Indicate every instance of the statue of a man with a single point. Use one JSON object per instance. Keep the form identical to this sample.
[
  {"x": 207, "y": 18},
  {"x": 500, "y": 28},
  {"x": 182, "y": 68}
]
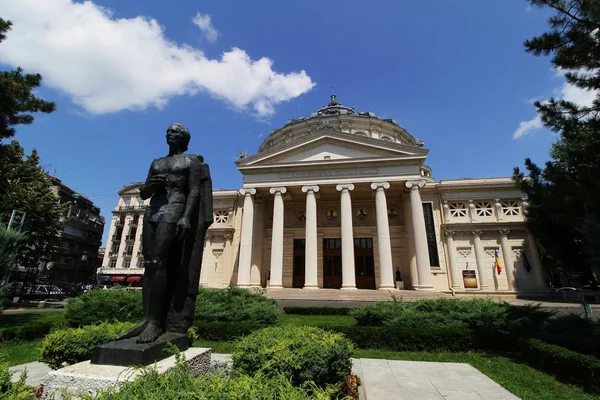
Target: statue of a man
[{"x": 175, "y": 225}]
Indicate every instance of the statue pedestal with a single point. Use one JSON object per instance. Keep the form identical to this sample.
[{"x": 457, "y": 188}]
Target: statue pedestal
[
  {"x": 127, "y": 352},
  {"x": 88, "y": 378}
]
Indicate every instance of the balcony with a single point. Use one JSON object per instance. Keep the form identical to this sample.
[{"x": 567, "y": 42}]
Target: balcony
[
  {"x": 118, "y": 223},
  {"x": 133, "y": 223},
  {"x": 116, "y": 238},
  {"x": 140, "y": 254},
  {"x": 127, "y": 254},
  {"x": 113, "y": 253},
  {"x": 130, "y": 238}
]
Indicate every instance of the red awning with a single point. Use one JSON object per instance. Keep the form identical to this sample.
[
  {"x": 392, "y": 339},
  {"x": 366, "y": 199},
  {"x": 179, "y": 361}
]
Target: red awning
[
  {"x": 117, "y": 278},
  {"x": 134, "y": 278}
]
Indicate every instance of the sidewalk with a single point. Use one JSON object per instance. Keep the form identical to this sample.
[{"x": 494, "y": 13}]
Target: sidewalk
[{"x": 384, "y": 379}]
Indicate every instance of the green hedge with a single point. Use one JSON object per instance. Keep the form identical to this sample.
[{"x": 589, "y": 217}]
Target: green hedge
[
  {"x": 568, "y": 366},
  {"x": 225, "y": 331},
  {"x": 301, "y": 353},
  {"x": 318, "y": 310},
  {"x": 212, "y": 305},
  {"x": 28, "y": 331},
  {"x": 73, "y": 345}
]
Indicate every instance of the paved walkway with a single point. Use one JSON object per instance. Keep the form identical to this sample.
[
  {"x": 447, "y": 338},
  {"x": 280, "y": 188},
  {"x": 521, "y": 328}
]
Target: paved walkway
[
  {"x": 404, "y": 380},
  {"x": 384, "y": 379}
]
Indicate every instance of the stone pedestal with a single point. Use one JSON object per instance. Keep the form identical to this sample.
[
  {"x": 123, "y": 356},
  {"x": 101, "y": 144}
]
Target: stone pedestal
[
  {"x": 88, "y": 378},
  {"x": 127, "y": 352}
]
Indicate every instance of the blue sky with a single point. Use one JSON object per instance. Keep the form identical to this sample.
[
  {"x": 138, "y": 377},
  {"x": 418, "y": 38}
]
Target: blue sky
[{"x": 454, "y": 73}]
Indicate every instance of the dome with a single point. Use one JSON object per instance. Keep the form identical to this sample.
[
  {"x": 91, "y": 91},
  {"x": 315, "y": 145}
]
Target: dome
[{"x": 341, "y": 118}]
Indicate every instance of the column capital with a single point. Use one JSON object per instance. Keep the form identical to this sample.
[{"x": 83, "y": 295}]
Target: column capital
[
  {"x": 247, "y": 192},
  {"x": 415, "y": 185},
  {"x": 477, "y": 233},
  {"x": 504, "y": 232},
  {"x": 449, "y": 233},
  {"x": 380, "y": 185},
  {"x": 310, "y": 188},
  {"x": 349, "y": 187},
  {"x": 277, "y": 190}
]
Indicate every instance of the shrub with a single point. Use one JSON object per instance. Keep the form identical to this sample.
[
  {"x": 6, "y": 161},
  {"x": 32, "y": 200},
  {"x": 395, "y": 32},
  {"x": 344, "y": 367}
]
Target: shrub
[
  {"x": 235, "y": 305},
  {"x": 104, "y": 306},
  {"x": 568, "y": 366},
  {"x": 28, "y": 331},
  {"x": 73, "y": 345},
  {"x": 225, "y": 331},
  {"x": 212, "y": 305},
  {"x": 14, "y": 390},
  {"x": 318, "y": 310},
  {"x": 478, "y": 314},
  {"x": 178, "y": 383},
  {"x": 562, "y": 330},
  {"x": 301, "y": 353}
]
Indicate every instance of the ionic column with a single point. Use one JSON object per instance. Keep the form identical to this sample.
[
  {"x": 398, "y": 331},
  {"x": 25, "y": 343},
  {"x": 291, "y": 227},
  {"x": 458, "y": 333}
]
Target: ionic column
[
  {"x": 455, "y": 274},
  {"x": 277, "y": 238},
  {"x": 508, "y": 262},
  {"x": 245, "y": 262},
  {"x": 420, "y": 235},
  {"x": 348, "y": 274},
  {"x": 479, "y": 258},
  {"x": 310, "y": 257},
  {"x": 386, "y": 270}
]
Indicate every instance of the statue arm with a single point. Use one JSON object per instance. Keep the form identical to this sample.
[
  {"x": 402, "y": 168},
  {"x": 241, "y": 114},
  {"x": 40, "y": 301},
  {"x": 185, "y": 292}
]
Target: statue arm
[
  {"x": 206, "y": 197},
  {"x": 194, "y": 184},
  {"x": 149, "y": 187}
]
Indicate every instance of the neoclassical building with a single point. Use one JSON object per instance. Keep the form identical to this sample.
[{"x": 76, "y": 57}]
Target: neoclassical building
[{"x": 344, "y": 200}]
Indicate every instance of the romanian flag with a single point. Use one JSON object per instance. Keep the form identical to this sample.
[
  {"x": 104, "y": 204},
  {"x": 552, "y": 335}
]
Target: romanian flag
[{"x": 497, "y": 262}]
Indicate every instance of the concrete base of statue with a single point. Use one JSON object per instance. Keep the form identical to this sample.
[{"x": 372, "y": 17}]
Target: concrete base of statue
[{"x": 88, "y": 378}]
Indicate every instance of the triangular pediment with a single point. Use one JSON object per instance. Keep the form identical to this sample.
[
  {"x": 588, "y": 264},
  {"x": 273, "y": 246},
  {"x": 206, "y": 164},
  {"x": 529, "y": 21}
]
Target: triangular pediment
[{"x": 333, "y": 147}]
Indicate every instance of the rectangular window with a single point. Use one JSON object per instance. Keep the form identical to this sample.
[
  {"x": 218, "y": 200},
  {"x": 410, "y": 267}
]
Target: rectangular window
[
  {"x": 126, "y": 263},
  {"x": 511, "y": 208},
  {"x": 113, "y": 264},
  {"x": 434, "y": 259},
  {"x": 129, "y": 249},
  {"x": 457, "y": 210},
  {"x": 483, "y": 209}
]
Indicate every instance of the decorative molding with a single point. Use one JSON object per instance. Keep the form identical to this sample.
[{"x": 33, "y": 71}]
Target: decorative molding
[
  {"x": 498, "y": 207},
  {"x": 464, "y": 251},
  {"x": 476, "y": 233},
  {"x": 310, "y": 188},
  {"x": 446, "y": 210},
  {"x": 415, "y": 185},
  {"x": 504, "y": 232},
  {"x": 472, "y": 211},
  {"x": 450, "y": 234},
  {"x": 491, "y": 251},
  {"x": 247, "y": 191},
  {"x": 349, "y": 187},
  {"x": 217, "y": 252},
  {"x": 380, "y": 185},
  {"x": 278, "y": 191}
]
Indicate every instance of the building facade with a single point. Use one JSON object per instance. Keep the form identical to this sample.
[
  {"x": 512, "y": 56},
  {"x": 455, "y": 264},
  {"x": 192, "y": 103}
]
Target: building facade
[
  {"x": 73, "y": 259},
  {"x": 344, "y": 200}
]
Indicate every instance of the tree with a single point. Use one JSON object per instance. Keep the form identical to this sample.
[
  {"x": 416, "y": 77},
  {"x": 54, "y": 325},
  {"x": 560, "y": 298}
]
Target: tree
[
  {"x": 564, "y": 196},
  {"x": 29, "y": 189},
  {"x": 16, "y": 99},
  {"x": 10, "y": 244}
]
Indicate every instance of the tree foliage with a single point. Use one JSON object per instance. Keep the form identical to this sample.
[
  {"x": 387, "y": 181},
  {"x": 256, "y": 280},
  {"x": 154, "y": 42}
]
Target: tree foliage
[
  {"x": 27, "y": 188},
  {"x": 11, "y": 243},
  {"x": 564, "y": 195},
  {"x": 16, "y": 99}
]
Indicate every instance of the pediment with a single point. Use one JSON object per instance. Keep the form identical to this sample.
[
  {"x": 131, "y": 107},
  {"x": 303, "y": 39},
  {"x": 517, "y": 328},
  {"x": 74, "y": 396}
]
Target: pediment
[{"x": 334, "y": 147}]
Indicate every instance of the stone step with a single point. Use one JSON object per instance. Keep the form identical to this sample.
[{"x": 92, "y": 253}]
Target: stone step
[{"x": 351, "y": 295}]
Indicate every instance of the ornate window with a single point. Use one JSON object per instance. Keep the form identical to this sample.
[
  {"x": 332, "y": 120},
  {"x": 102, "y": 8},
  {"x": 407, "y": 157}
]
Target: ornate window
[
  {"x": 484, "y": 209},
  {"x": 511, "y": 207},
  {"x": 457, "y": 209},
  {"x": 221, "y": 216}
]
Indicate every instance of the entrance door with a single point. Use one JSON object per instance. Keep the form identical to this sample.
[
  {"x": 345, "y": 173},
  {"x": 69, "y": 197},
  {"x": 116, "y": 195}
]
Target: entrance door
[
  {"x": 364, "y": 264},
  {"x": 332, "y": 263},
  {"x": 298, "y": 277}
]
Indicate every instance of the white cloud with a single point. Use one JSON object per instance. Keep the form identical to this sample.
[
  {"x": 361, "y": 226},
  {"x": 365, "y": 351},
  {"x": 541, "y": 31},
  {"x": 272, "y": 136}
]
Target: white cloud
[
  {"x": 566, "y": 92},
  {"x": 204, "y": 22},
  {"x": 107, "y": 64},
  {"x": 527, "y": 127}
]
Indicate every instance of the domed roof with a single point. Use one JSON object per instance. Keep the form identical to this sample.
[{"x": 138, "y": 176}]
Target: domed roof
[{"x": 333, "y": 108}]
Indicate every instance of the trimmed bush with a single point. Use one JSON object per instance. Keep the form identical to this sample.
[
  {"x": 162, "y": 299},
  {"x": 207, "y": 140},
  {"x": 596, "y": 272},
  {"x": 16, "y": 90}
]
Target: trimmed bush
[
  {"x": 568, "y": 366},
  {"x": 318, "y": 310},
  {"x": 225, "y": 331},
  {"x": 14, "y": 390},
  {"x": 478, "y": 314},
  {"x": 301, "y": 353},
  {"x": 28, "y": 331},
  {"x": 212, "y": 305},
  {"x": 104, "y": 306},
  {"x": 178, "y": 383},
  {"x": 235, "y": 305},
  {"x": 73, "y": 345}
]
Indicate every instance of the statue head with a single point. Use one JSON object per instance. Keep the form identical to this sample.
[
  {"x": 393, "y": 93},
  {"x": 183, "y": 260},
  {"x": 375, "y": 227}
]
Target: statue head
[{"x": 178, "y": 133}]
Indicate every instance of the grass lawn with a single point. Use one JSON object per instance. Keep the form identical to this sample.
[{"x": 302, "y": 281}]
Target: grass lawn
[{"x": 16, "y": 353}]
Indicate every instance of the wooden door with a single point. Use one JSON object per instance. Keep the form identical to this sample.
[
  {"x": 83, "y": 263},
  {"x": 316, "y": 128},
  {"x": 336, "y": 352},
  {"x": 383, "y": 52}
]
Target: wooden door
[
  {"x": 364, "y": 264},
  {"x": 299, "y": 268},
  {"x": 332, "y": 263}
]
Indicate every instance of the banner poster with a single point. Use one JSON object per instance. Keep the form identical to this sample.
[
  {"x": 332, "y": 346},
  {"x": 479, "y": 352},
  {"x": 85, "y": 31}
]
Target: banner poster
[{"x": 469, "y": 279}]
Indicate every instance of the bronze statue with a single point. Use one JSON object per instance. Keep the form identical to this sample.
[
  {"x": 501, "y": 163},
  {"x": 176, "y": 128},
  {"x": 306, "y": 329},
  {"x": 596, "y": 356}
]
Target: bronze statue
[{"x": 175, "y": 225}]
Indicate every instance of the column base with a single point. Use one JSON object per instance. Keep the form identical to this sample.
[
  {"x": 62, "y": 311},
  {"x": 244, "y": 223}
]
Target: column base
[
  {"x": 387, "y": 287},
  {"x": 275, "y": 287},
  {"x": 423, "y": 287},
  {"x": 311, "y": 287},
  {"x": 349, "y": 287},
  {"x": 242, "y": 284}
]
